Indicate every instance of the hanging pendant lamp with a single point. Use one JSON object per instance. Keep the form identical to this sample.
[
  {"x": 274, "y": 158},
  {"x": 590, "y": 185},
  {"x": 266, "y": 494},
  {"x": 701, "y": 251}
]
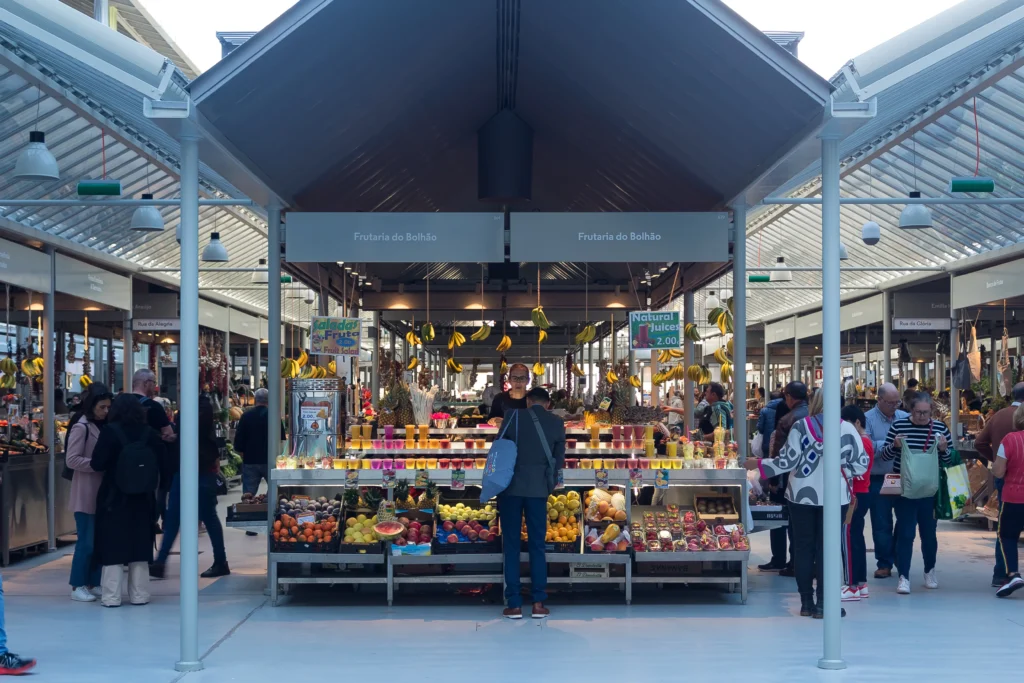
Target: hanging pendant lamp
[
  {"x": 147, "y": 218},
  {"x": 915, "y": 216},
  {"x": 36, "y": 162},
  {"x": 781, "y": 275},
  {"x": 215, "y": 251},
  {"x": 260, "y": 276}
]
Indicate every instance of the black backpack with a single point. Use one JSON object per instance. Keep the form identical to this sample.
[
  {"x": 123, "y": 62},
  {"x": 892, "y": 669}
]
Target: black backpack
[{"x": 138, "y": 470}]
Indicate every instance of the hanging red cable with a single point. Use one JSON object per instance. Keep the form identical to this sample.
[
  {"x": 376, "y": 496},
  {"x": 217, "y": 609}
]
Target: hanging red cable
[
  {"x": 103, "y": 147},
  {"x": 977, "y": 140}
]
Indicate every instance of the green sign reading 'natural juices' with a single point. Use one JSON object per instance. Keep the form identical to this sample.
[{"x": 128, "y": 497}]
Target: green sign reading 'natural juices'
[{"x": 654, "y": 330}]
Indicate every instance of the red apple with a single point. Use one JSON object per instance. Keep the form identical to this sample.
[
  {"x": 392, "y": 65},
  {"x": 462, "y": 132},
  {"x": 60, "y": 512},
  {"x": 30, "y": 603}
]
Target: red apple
[
  {"x": 484, "y": 535},
  {"x": 404, "y": 521},
  {"x": 447, "y": 526},
  {"x": 609, "y": 547},
  {"x": 400, "y": 541},
  {"x": 597, "y": 546},
  {"x": 424, "y": 538},
  {"x": 426, "y": 529},
  {"x": 452, "y": 538},
  {"x": 414, "y": 525},
  {"x": 459, "y": 525},
  {"x": 471, "y": 535}
]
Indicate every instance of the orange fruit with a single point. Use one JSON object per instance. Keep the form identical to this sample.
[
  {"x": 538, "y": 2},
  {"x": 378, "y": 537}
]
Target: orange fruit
[
  {"x": 293, "y": 540},
  {"x": 277, "y": 525}
]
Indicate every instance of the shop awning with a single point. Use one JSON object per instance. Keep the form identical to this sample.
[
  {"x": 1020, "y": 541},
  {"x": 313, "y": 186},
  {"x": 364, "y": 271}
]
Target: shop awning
[{"x": 667, "y": 106}]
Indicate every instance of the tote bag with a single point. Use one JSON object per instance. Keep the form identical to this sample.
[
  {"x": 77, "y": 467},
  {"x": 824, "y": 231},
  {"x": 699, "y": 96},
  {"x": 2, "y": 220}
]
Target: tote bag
[
  {"x": 974, "y": 356},
  {"x": 919, "y": 470},
  {"x": 501, "y": 462},
  {"x": 960, "y": 375}
]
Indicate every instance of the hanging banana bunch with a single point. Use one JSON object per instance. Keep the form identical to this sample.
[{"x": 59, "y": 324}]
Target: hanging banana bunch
[
  {"x": 727, "y": 372},
  {"x": 454, "y": 366},
  {"x": 289, "y": 368},
  {"x": 701, "y": 374},
  {"x": 721, "y": 356},
  {"x": 611, "y": 377},
  {"x": 84, "y": 381},
  {"x": 586, "y": 335},
  {"x": 668, "y": 355},
  {"x": 505, "y": 344},
  {"x": 539, "y": 318},
  {"x": 413, "y": 362},
  {"x": 332, "y": 368},
  {"x": 413, "y": 340},
  {"x": 456, "y": 340},
  {"x": 426, "y": 332},
  {"x": 635, "y": 382},
  {"x": 577, "y": 370},
  {"x": 691, "y": 332},
  {"x": 542, "y": 336},
  {"x": 482, "y": 333},
  {"x": 303, "y": 359},
  {"x": 722, "y": 317},
  {"x": 538, "y": 369}
]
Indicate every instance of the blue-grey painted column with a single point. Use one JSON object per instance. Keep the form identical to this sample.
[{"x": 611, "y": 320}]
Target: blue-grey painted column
[
  {"x": 797, "y": 375},
  {"x": 688, "y": 356},
  {"x": 739, "y": 336},
  {"x": 188, "y": 402},
  {"x": 954, "y": 346},
  {"x": 886, "y": 340},
  {"x": 274, "y": 406},
  {"x": 831, "y": 382},
  {"x": 47, "y": 347}
]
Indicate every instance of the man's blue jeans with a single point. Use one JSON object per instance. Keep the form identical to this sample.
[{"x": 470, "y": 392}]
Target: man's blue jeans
[
  {"x": 511, "y": 510},
  {"x": 1000, "y": 571},
  {"x": 251, "y": 476},
  {"x": 84, "y": 572},
  {"x": 207, "y": 515},
  {"x": 882, "y": 534}
]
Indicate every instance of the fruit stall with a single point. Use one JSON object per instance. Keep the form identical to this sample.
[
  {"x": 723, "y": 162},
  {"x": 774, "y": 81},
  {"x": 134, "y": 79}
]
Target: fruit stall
[{"x": 354, "y": 520}]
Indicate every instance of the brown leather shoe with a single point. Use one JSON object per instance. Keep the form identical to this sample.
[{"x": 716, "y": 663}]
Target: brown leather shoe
[
  {"x": 540, "y": 611},
  {"x": 512, "y": 613},
  {"x": 883, "y": 573}
]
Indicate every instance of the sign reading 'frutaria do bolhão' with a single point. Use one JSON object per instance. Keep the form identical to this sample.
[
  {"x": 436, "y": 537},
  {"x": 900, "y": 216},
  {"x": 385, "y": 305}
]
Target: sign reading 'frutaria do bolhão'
[
  {"x": 334, "y": 336},
  {"x": 654, "y": 330}
]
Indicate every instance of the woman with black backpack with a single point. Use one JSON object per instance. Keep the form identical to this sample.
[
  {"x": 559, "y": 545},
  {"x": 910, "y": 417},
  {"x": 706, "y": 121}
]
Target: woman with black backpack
[
  {"x": 125, "y": 506},
  {"x": 82, "y": 435}
]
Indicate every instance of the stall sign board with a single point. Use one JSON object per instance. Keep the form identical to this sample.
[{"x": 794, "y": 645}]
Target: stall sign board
[
  {"x": 87, "y": 281},
  {"x": 395, "y": 237},
  {"x": 334, "y": 336},
  {"x": 860, "y": 313},
  {"x": 156, "y": 324},
  {"x": 654, "y": 330},
  {"x": 923, "y": 324},
  {"x": 779, "y": 331},
  {"x": 213, "y": 316},
  {"x": 808, "y": 325},
  {"x": 620, "y": 236},
  {"x": 24, "y": 267},
  {"x": 920, "y": 305},
  {"x": 146, "y": 305},
  {"x": 1004, "y": 281}
]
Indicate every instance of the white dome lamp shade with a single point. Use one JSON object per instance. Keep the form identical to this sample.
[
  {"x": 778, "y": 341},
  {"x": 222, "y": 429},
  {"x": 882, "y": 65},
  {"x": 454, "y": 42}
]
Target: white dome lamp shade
[
  {"x": 215, "y": 252},
  {"x": 871, "y": 233},
  {"x": 35, "y": 162},
  {"x": 915, "y": 216},
  {"x": 844, "y": 255},
  {"x": 781, "y": 275},
  {"x": 147, "y": 218},
  {"x": 309, "y": 296},
  {"x": 259, "y": 276},
  {"x": 712, "y": 300}
]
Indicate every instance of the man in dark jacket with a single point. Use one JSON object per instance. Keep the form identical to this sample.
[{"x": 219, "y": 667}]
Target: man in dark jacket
[
  {"x": 251, "y": 443},
  {"x": 540, "y": 444},
  {"x": 795, "y": 397}
]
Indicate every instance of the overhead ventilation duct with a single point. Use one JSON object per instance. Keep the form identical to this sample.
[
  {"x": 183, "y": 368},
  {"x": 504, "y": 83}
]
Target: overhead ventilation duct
[{"x": 505, "y": 159}]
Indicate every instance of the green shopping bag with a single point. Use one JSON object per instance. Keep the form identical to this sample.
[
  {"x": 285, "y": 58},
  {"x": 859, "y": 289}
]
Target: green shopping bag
[
  {"x": 919, "y": 470},
  {"x": 954, "y": 489},
  {"x": 943, "y": 509}
]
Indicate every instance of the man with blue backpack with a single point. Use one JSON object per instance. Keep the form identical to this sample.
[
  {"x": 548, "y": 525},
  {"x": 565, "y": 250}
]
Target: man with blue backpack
[{"x": 538, "y": 454}]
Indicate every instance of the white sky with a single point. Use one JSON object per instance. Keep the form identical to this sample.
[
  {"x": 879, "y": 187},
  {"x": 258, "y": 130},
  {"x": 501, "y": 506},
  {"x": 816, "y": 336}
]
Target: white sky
[{"x": 835, "y": 31}]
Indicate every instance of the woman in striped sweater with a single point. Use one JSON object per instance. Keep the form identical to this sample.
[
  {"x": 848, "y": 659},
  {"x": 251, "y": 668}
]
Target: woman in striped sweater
[{"x": 919, "y": 432}]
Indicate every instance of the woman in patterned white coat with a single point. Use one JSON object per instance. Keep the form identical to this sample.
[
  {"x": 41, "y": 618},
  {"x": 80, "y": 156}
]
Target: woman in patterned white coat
[{"x": 801, "y": 456}]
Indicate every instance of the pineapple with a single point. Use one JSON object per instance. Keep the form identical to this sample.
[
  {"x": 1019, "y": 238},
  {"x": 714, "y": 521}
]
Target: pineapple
[
  {"x": 371, "y": 499},
  {"x": 623, "y": 395},
  {"x": 351, "y": 499},
  {"x": 403, "y": 404},
  {"x": 428, "y": 499},
  {"x": 402, "y": 498}
]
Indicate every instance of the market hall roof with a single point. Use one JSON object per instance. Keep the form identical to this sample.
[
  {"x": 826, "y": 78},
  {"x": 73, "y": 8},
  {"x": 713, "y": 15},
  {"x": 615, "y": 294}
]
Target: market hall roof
[{"x": 659, "y": 106}]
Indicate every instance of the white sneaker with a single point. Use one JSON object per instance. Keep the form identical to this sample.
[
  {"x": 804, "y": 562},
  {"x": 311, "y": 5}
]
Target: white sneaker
[
  {"x": 97, "y": 591},
  {"x": 903, "y": 588},
  {"x": 930, "y": 581},
  {"x": 863, "y": 592},
  {"x": 82, "y": 594},
  {"x": 850, "y": 594}
]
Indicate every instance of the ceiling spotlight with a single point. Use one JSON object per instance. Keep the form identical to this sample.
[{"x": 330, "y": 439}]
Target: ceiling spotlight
[
  {"x": 215, "y": 252},
  {"x": 871, "y": 233},
  {"x": 260, "y": 275},
  {"x": 843, "y": 253},
  {"x": 147, "y": 218},
  {"x": 712, "y": 300},
  {"x": 309, "y": 296},
  {"x": 915, "y": 216},
  {"x": 36, "y": 162},
  {"x": 781, "y": 275}
]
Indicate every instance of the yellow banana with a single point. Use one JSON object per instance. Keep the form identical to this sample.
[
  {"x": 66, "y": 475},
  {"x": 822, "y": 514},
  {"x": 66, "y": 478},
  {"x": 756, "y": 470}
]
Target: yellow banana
[
  {"x": 456, "y": 340},
  {"x": 427, "y": 331},
  {"x": 675, "y": 353},
  {"x": 611, "y": 377},
  {"x": 503, "y": 370},
  {"x": 303, "y": 359},
  {"x": 542, "y": 336},
  {"x": 586, "y": 335},
  {"x": 635, "y": 381},
  {"x": 453, "y": 366},
  {"x": 332, "y": 368},
  {"x": 505, "y": 344},
  {"x": 8, "y": 366},
  {"x": 691, "y": 332},
  {"x": 726, "y": 372},
  {"x": 664, "y": 356},
  {"x": 577, "y": 370},
  {"x": 538, "y": 369},
  {"x": 85, "y": 381},
  {"x": 412, "y": 364},
  {"x": 729, "y": 347}
]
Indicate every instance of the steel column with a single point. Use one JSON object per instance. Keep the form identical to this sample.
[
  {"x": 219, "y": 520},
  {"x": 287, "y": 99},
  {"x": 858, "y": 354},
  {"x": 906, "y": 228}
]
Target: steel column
[
  {"x": 274, "y": 405},
  {"x": 797, "y": 375},
  {"x": 188, "y": 361},
  {"x": 688, "y": 351},
  {"x": 886, "y": 339},
  {"x": 954, "y": 346},
  {"x": 739, "y": 337},
  {"x": 831, "y": 495},
  {"x": 48, "y": 349}
]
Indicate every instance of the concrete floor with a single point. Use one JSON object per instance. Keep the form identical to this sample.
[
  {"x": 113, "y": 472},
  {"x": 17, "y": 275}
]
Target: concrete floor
[{"x": 662, "y": 637}]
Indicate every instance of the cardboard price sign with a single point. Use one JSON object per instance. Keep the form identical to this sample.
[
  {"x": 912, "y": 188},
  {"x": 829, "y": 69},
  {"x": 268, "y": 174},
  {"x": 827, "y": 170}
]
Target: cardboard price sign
[
  {"x": 654, "y": 330},
  {"x": 334, "y": 336}
]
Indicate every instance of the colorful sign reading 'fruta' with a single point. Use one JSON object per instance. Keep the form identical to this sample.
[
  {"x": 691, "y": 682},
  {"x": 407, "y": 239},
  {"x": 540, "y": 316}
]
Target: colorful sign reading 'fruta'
[
  {"x": 654, "y": 330},
  {"x": 334, "y": 336}
]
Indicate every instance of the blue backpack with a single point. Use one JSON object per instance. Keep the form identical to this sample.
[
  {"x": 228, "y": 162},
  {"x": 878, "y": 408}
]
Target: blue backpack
[{"x": 501, "y": 462}]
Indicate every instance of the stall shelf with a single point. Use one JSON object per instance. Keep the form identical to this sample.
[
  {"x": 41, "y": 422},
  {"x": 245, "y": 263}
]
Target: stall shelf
[{"x": 475, "y": 577}]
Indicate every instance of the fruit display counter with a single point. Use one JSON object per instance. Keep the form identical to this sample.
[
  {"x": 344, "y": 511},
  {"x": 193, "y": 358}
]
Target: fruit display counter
[{"x": 593, "y": 533}]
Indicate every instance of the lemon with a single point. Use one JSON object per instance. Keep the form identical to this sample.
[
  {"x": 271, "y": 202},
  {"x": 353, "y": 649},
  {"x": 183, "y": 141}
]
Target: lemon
[{"x": 361, "y": 518}]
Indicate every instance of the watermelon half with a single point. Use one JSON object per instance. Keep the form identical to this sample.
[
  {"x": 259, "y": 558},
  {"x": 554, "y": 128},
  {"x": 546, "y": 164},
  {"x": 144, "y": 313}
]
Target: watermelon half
[{"x": 386, "y": 531}]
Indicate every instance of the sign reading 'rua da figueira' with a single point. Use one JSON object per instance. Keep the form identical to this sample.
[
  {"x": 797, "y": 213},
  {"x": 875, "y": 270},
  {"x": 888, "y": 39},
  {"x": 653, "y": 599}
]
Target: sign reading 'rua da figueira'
[{"x": 334, "y": 336}]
